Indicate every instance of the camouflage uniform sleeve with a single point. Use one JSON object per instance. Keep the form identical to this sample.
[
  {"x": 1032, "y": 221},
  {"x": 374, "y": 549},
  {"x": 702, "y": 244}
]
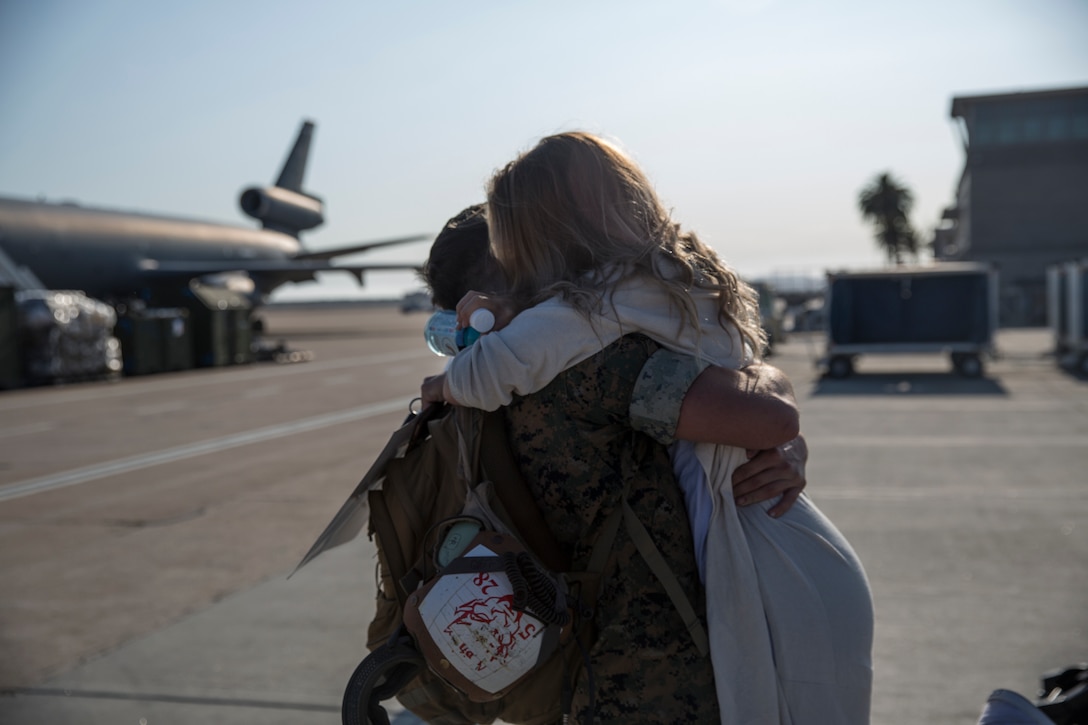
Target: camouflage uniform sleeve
[{"x": 659, "y": 392}]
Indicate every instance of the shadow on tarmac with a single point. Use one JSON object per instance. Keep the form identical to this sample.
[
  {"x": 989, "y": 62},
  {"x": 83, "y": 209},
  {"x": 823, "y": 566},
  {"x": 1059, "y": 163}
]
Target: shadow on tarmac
[
  {"x": 1073, "y": 374},
  {"x": 900, "y": 384}
]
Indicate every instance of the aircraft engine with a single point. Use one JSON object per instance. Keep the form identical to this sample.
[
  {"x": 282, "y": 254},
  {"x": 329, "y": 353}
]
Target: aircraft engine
[{"x": 282, "y": 209}]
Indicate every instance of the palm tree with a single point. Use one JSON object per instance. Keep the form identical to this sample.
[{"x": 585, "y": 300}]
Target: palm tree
[{"x": 887, "y": 204}]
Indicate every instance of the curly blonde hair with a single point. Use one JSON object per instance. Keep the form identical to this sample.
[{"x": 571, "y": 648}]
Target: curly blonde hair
[{"x": 575, "y": 214}]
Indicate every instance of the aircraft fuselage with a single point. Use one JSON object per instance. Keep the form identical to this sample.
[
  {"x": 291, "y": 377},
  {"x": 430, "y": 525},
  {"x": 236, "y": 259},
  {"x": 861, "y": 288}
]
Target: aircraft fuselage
[{"x": 108, "y": 253}]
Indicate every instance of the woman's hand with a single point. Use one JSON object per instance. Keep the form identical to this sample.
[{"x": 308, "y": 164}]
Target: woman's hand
[
  {"x": 773, "y": 472},
  {"x": 502, "y": 308}
]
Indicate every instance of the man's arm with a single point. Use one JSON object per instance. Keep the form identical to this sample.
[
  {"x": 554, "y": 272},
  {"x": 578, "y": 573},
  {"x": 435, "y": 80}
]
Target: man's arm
[{"x": 751, "y": 408}]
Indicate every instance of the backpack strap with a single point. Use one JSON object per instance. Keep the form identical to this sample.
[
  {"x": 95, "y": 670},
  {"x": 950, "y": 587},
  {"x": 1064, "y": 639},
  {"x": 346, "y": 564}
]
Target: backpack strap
[
  {"x": 420, "y": 421},
  {"x": 603, "y": 546},
  {"x": 652, "y": 555},
  {"x": 484, "y": 455},
  {"x": 403, "y": 511},
  {"x": 382, "y": 523},
  {"x": 498, "y": 466},
  {"x": 653, "y": 558},
  {"x": 468, "y": 444}
]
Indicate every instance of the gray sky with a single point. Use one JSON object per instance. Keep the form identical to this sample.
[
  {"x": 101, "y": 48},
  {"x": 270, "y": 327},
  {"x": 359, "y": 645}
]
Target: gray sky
[{"x": 758, "y": 120}]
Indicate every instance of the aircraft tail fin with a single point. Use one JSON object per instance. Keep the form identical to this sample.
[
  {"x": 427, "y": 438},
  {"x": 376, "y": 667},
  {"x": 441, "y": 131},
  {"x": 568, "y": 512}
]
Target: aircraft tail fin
[
  {"x": 285, "y": 207},
  {"x": 294, "y": 168}
]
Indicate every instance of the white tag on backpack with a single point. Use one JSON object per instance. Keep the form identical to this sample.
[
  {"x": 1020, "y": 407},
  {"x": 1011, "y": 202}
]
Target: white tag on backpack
[{"x": 467, "y": 628}]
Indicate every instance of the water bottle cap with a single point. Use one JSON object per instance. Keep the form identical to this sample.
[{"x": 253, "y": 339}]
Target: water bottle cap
[{"x": 482, "y": 320}]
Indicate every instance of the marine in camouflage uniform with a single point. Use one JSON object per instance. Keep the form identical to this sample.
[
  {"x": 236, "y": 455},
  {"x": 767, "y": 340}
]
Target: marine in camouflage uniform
[{"x": 578, "y": 447}]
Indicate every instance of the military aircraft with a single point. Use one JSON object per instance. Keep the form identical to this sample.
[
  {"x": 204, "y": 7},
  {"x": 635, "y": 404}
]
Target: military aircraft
[{"x": 113, "y": 254}]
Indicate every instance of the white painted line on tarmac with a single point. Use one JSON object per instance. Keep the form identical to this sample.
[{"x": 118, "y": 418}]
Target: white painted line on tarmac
[
  {"x": 895, "y": 441},
  {"x": 262, "y": 391},
  {"x": 25, "y": 429},
  {"x": 173, "y": 406},
  {"x": 202, "y": 377},
  {"x": 948, "y": 493},
  {"x": 201, "y": 448}
]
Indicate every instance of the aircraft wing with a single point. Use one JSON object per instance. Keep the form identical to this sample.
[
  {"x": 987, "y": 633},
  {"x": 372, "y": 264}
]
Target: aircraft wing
[
  {"x": 361, "y": 247},
  {"x": 293, "y": 270}
]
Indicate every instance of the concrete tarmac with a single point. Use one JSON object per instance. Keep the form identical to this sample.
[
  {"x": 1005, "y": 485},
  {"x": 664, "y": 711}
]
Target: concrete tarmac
[{"x": 147, "y": 526}]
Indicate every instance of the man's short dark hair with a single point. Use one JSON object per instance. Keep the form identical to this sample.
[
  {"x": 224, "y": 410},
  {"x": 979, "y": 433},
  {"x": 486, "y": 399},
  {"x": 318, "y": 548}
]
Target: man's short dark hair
[{"x": 460, "y": 260}]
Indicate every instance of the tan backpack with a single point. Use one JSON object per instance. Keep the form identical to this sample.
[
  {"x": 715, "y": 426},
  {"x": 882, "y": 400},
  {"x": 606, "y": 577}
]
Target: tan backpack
[
  {"x": 422, "y": 492},
  {"x": 417, "y": 492}
]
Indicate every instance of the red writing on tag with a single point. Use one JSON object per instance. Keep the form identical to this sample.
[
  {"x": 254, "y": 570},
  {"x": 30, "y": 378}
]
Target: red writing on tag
[{"x": 493, "y": 621}]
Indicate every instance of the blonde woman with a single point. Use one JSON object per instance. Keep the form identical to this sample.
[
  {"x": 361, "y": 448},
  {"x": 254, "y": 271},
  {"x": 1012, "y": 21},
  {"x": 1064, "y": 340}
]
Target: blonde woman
[{"x": 591, "y": 254}]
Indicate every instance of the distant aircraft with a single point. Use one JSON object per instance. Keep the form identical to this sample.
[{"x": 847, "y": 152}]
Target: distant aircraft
[{"x": 113, "y": 255}]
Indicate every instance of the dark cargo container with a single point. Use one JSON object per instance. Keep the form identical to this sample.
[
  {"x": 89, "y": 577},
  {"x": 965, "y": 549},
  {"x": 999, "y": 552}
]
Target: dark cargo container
[
  {"x": 1057, "y": 283},
  {"x": 221, "y": 327},
  {"x": 141, "y": 349},
  {"x": 177, "y": 338},
  {"x": 154, "y": 340},
  {"x": 241, "y": 336},
  {"x": 1081, "y": 304},
  {"x": 943, "y": 308},
  {"x": 1067, "y": 284},
  {"x": 10, "y": 367}
]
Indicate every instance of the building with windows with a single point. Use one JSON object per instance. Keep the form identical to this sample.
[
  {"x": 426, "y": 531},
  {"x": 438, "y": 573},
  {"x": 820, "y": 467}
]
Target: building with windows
[{"x": 1022, "y": 199}]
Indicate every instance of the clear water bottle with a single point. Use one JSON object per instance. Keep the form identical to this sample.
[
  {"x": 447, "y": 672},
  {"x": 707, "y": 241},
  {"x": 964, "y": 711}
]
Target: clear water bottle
[{"x": 444, "y": 338}]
